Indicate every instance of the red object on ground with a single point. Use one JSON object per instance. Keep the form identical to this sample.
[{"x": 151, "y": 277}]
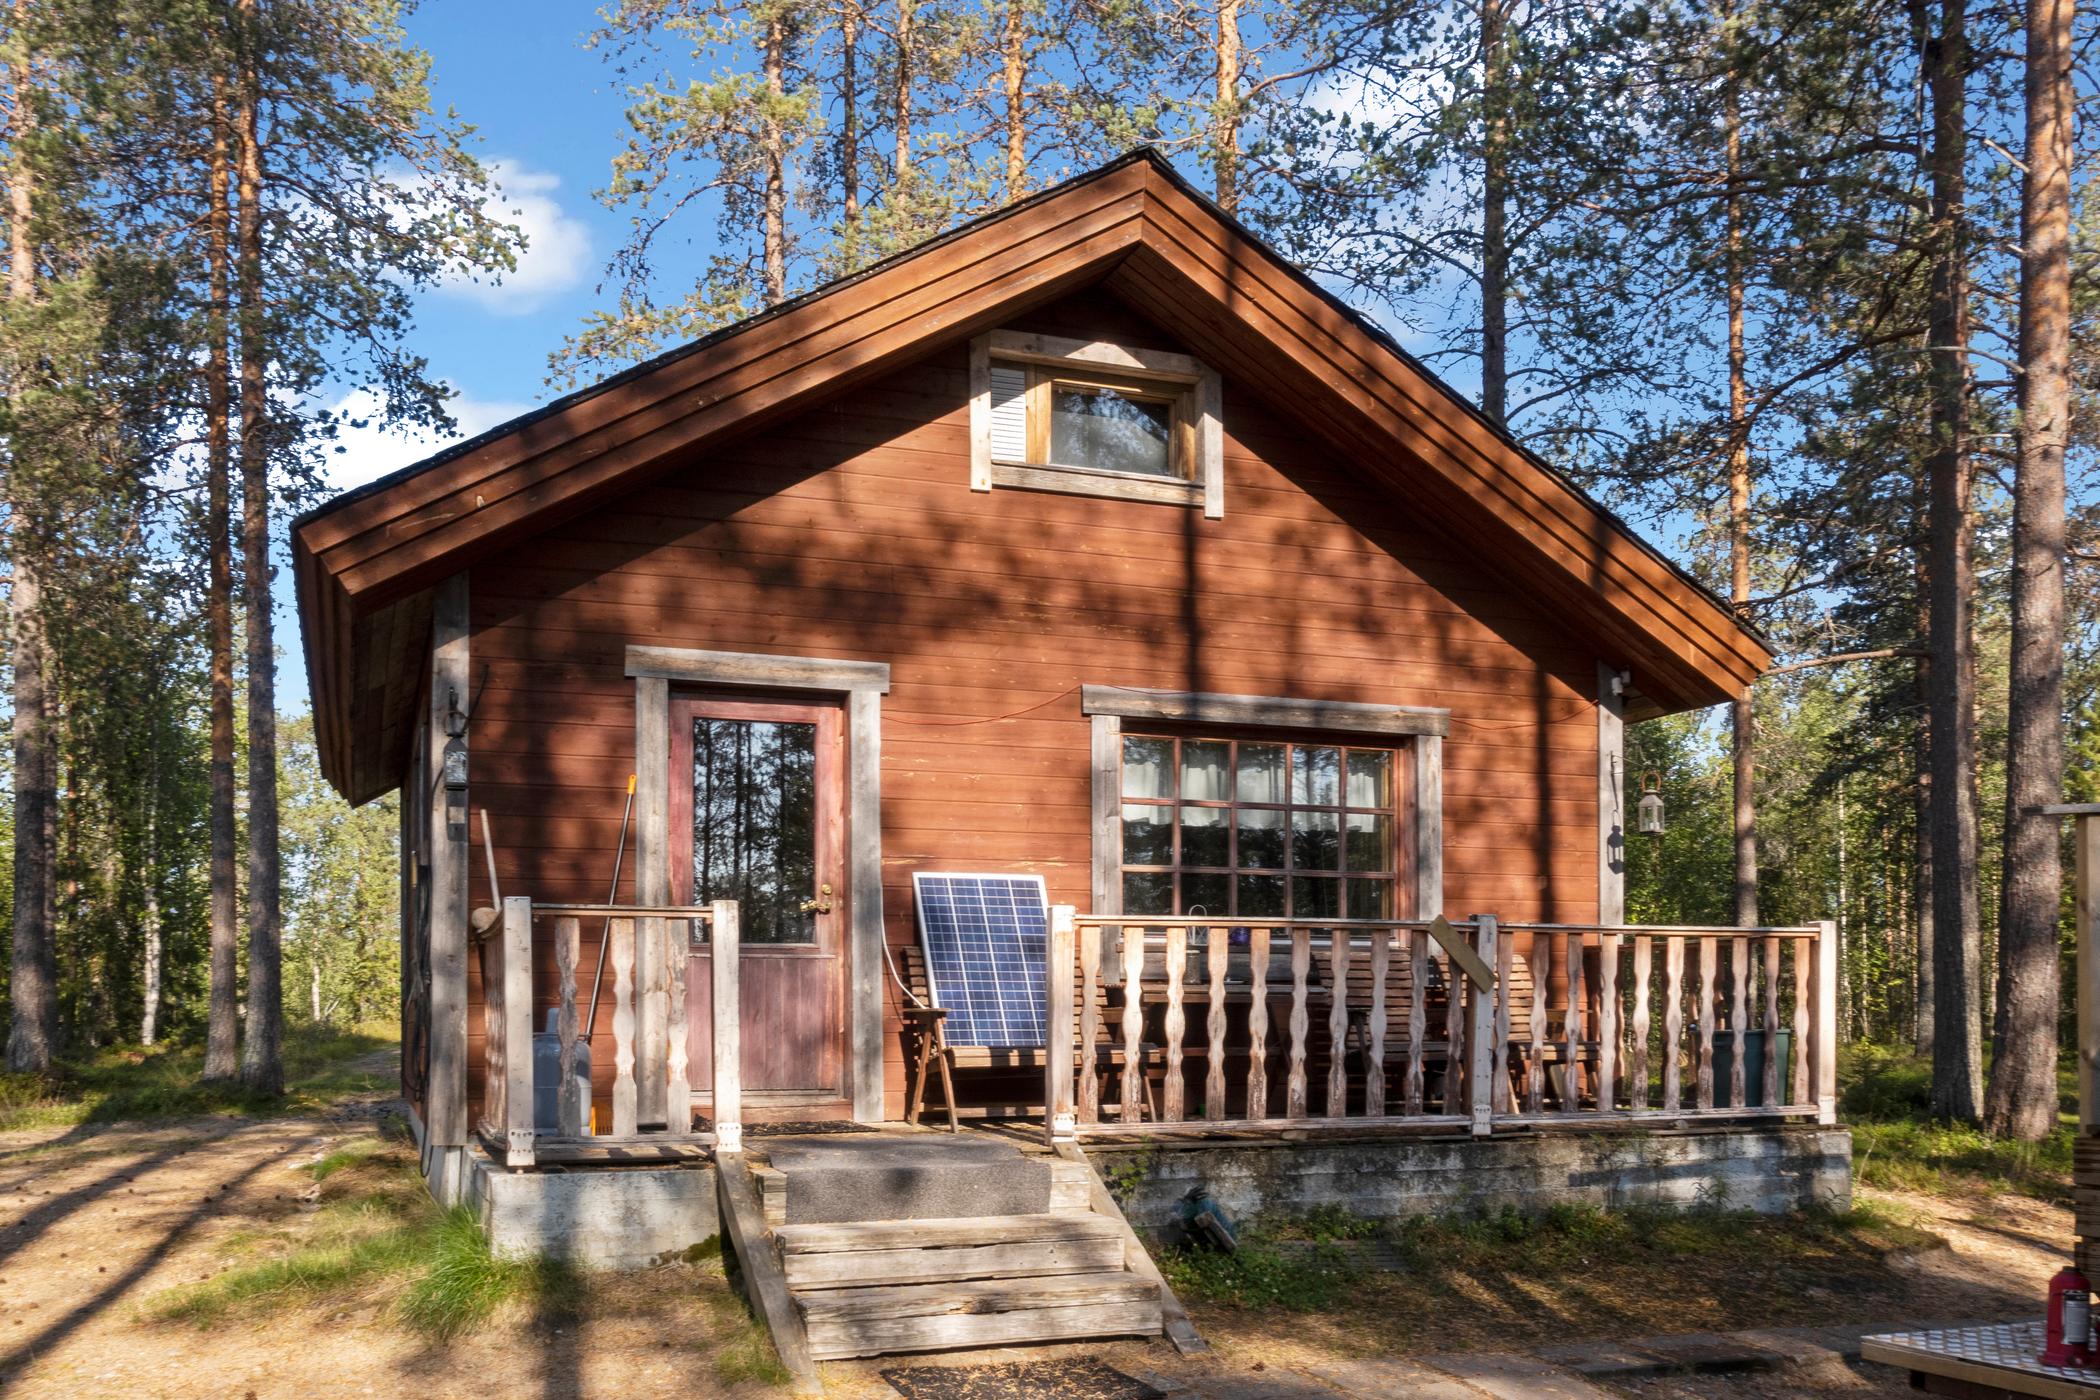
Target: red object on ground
[{"x": 2069, "y": 1340}]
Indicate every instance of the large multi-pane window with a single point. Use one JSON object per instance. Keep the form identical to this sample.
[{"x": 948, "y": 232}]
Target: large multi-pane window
[{"x": 1259, "y": 828}]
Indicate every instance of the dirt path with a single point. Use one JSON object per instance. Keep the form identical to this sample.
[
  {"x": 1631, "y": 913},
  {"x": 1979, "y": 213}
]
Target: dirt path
[{"x": 95, "y": 1222}]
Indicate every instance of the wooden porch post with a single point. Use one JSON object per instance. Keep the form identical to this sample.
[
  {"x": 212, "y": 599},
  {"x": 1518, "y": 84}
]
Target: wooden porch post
[
  {"x": 1059, "y": 966},
  {"x": 1611, "y": 795},
  {"x": 514, "y": 1003},
  {"x": 445, "y": 1139},
  {"x": 724, "y": 940},
  {"x": 1826, "y": 1048},
  {"x": 1480, "y": 1075}
]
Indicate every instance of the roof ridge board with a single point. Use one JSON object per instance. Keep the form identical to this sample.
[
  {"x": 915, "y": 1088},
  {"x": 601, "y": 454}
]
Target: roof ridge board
[
  {"x": 1480, "y": 422},
  {"x": 1091, "y": 222},
  {"x": 642, "y": 368}
]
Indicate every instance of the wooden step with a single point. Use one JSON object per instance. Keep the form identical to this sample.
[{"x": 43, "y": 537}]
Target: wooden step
[
  {"x": 844, "y": 1322},
  {"x": 1071, "y": 1186},
  {"x": 930, "y": 1251}
]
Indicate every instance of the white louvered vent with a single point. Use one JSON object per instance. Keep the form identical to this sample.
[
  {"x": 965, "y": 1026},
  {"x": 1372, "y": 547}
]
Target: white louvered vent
[{"x": 1009, "y": 413}]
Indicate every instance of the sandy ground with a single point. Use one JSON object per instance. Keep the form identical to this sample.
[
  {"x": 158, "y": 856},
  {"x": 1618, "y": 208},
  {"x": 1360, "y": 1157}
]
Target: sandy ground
[{"x": 95, "y": 1222}]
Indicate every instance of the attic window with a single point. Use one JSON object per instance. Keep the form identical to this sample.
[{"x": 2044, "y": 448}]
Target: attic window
[{"x": 1090, "y": 418}]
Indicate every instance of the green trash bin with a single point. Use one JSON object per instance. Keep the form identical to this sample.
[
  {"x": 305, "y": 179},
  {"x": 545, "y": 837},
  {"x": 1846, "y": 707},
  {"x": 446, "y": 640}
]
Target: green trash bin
[{"x": 1753, "y": 1066}]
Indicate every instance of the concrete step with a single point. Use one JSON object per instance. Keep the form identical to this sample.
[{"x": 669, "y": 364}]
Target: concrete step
[
  {"x": 852, "y": 1178},
  {"x": 844, "y": 1322},
  {"x": 930, "y": 1251}
]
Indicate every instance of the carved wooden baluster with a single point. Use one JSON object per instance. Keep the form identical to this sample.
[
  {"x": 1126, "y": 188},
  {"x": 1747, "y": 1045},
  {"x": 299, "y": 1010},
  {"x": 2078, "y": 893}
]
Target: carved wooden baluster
[
  {"x": 1771, "y": 1095},
  {"x": 1090, "y": 1023},
  {"x": 1805, "y": 1027},
  {"x": 625, "y": 1104},
  {"x": 1541, "y": 972},
  {"x": 1417, "y": 1013},
  {"x": 1294, "y": 1065},
  {"x": 1133, "y": 1024},
  {"x": 1505, "y": 997},
  {"x": 678, "y": 1083},
  {"x": 495, "y": 1081},
  {"x": 1374, "y": 1058},
  {"x": 1607, "y": 1022},
  {"x": 1639, "y": 1097},
  {"x": 1171, "y": 1097},
  {"x": 1218, "y": 943},
  {"x": 1258, "y": 1024},
  {"x": 1338, "y": 1023},
  {"x": 1578, "y": 1004},
  {"x": 1455, "y": 982},
  {"x": 1709, "y": 967},
  {"x": 568, "y": 1096},
  {"x": 1739, "y": 1020},
  {"x": 1673, "y": 1023}
]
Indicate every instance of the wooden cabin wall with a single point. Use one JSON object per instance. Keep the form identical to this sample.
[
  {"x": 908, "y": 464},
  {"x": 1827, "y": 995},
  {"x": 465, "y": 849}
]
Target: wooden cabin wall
[{"x": 852, "y": 533}]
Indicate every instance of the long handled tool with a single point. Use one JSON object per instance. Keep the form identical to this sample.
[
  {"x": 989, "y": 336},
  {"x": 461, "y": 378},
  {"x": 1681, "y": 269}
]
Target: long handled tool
[{"x": 605, "y": 931}]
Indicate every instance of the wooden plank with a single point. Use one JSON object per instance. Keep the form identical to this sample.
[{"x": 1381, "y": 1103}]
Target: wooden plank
[
  {"x": 1577, "y": 1005},
  {"x": 1824, "y": 991},
  {"x": 881, "y": 1236},
  {"x": 445, "y": 1115},
  {"x": 1294, "y": 1062},
  {"x": 515, "y": 1011},
  {"x": 751, "y": 668},
  {"x": 908, "y": 1264},
  {"x": 1505, "y": 998},
  {"x": 1455, "y": 988},
  {"x": 1535, "y": 1066},
  {"x": 1417, "y": 1017},
  {"x": 1611, "y": 795},
  {"x": 1171, "y": 1097},
  {"x": 981, "y": 414},
  {"x": 1090, "y": 1023},
  {"x": 864, "y": 1009},
  {"x": 1133, "y": 1025},
  {"x": 1427, "y": 811},
  {"x": 1059, "y": 971},
  {"x": 726, "y": 974},
  {"x": 1375, "y": 1026},
  {"x": 1771, "y": 1086},
  {"x": 1480, "y": 1068},
  {"x": 1082, "y": 481},
  {"x": 1258, "y": 1023},
  {"x": 1218, "y": 945},
  {"x": 1739, "y": 1019},
  {"x": 1637, "y": 1090},
  {"x": 836, "y": 1340},
  {"x": 1673, "y": 1022},
  {"x": 1608, "y": 1018},
  {"x": 744, "y": 1221},
  {"x": 1055, "y": 350},
  {"x": 1709, "y": 997},
  {"x": 569, "y": 1106},
  {"x": 919, "y": 1302},
  {"x": 678, "y": 1084},
  {"x": 625, "y": 1100},
  {"x": 1804, "y": 1023},
  {"x": 652, "y": 1023},
  {"x": 1174, "y": 1319},
  {"x": 1261, "y": 711},
  {"x": 1453, "y": 941},
  {"x": 1105, "y": 794},
  {"x": 1337, "y": 1024}
]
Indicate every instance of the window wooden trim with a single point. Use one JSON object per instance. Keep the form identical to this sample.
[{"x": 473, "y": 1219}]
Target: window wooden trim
[{"x": 1195, "y": 390}]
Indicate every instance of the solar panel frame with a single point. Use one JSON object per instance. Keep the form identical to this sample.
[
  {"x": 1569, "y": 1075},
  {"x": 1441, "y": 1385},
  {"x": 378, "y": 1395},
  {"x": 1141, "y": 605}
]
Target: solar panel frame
[{"x": 986, "y": 940}]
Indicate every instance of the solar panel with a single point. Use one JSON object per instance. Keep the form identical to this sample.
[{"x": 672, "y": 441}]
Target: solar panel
[{"x": 985, "y": 939}]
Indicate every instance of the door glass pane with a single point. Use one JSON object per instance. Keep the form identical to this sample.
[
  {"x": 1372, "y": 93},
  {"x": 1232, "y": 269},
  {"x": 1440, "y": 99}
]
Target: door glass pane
[
  {"x": 755, "y": 823},
  {"x": 1370, "y": 840},
  {"x": 1261, "y": 839},
  {"x": 1316, "y": 775},
  {"x": 1370, "y": 778},
  {"x": 1316, "y": 840},
  {"x": 1261, "y": 773},
  {"x": 1148, "y": 768},
  {"x": 1205, "y": 836},
  {"x": 1147, "y": 838},
  {"x": 1099, "y": 427},
  {"x": 1204, "y": 771}
]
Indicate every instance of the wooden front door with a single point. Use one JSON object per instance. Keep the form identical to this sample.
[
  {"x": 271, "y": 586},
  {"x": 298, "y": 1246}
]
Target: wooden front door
[{"x": 756, "y": 816}]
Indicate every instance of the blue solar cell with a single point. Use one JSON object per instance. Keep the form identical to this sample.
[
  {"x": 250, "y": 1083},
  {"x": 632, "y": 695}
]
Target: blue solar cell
[{"x": 985, "y": 938}]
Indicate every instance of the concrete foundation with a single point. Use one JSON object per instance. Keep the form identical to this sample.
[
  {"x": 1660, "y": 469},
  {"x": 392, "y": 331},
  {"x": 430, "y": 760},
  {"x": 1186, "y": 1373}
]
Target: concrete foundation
[
  {"x": 601, "y": 1217},
  {"x": 1769, "y": 1170}
]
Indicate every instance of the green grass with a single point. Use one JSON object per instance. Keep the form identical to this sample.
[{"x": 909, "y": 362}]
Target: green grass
[
  {"x": 380, "y": 1240},
  {"x": 1898, "y": 1146},
  {"x": 133, "y": 1083}
]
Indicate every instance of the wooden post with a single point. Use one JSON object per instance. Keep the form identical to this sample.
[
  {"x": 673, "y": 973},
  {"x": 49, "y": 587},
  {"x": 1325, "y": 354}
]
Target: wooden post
[
  {"x": 1217, "y": 943},
  {"x": 1258, "y": 1023},
  {"x": 1133, "y": 1024},
  {"x": 677, "y": 941},
  {"x": 1480, "y": 1074},
  {"x": 2088, "y": 861},
  {"x": 517, "y": 1031},
  {"x": 1060, "y": 964},
  {"x": 1637, "y": 1093},
  {"x": 1607, "y": 1022},
  {"x": 1703, "y": 1081},
  {"x": 624, "y": 1097},
  {"x": 1171, "y": 1097},
  {"x": 1374, "y": 1050},
  {"x": 1337, "y": 1022},
  {"x": 1090, "y": 1024},
  {"x": 445, "y": 1112},
  {"x": 724, "y": 942},
  {"x": 1611, "y": 795},
  {"x": 569, "y": 1106},
  {"x": 1294, "y": 1061},
  {"x": 1825, "y": 991}
]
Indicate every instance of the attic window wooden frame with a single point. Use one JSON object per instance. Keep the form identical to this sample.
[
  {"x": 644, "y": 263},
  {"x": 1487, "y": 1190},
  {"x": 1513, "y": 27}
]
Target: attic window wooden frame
[{"x": 1199, "y": 419}]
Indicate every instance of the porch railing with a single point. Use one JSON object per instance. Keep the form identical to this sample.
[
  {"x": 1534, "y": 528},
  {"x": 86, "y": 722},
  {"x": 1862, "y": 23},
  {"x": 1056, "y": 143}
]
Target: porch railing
[
  {"x": 1202, "y": 1024},
  {"x": 647, "y": 949}
]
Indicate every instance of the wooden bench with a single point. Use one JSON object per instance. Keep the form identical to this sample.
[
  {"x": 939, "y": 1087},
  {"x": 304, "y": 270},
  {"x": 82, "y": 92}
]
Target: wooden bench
[{"x": 928, "y": 1049}]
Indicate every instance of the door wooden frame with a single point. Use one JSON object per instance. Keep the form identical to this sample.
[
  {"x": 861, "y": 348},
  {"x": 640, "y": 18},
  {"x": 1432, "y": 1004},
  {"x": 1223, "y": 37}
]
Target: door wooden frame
[{"x": 861, "y": 684}]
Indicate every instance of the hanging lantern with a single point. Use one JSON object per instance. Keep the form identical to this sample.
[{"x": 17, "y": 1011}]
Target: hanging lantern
[{"x": 1651, "y": 808}]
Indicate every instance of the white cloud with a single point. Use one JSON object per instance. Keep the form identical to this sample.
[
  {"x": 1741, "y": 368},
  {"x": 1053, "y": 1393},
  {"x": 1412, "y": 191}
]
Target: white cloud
[
  {"x": 557, "y": 252},
  {"x": 364, "y": 451}
]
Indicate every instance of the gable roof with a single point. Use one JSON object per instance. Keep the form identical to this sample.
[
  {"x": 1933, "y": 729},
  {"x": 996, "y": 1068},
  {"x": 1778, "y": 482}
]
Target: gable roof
[{"x": 364, "y": 562}]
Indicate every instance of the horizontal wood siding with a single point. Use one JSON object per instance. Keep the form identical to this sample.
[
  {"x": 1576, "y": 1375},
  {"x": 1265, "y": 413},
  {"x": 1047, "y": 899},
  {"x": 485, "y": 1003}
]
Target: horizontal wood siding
[{"x": 852, "y": 532}]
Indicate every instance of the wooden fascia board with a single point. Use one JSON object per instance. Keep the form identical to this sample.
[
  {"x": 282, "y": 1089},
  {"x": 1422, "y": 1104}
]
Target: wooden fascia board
[{"x": 1588, "y": 544}]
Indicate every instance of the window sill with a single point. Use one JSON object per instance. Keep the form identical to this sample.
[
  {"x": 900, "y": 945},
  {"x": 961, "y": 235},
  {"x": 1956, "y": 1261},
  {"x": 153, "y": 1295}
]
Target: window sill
[{"x": 1093, "y": 481}]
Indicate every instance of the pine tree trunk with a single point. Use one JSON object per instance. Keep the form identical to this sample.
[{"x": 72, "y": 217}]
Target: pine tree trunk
[
  {"x": 1494, "y": 213},
  {"x": 849, "y": 121},
  {"x": 32, "y": 1037},
  {"x": 1225, "y": 114},
  {"x": 1922, "y": 954},
  {"x": 2022, "y": 1101},
  {"x": 775, "y": 155},
  {"x": 149, "y": 1015},
  {"x": 262, "y": 1051},
  {"x": 1743, "y": 724},
  {"x": 222, "y": 1030},
  {"x": 1014, "y": 53},
  {"x": 907, "y": 12},
  {"x": 1957, "y": 1071}
]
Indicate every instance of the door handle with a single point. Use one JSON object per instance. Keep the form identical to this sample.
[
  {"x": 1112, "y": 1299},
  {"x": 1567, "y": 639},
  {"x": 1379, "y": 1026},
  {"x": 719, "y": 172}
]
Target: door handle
[{"x": 820, "y": 905}]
